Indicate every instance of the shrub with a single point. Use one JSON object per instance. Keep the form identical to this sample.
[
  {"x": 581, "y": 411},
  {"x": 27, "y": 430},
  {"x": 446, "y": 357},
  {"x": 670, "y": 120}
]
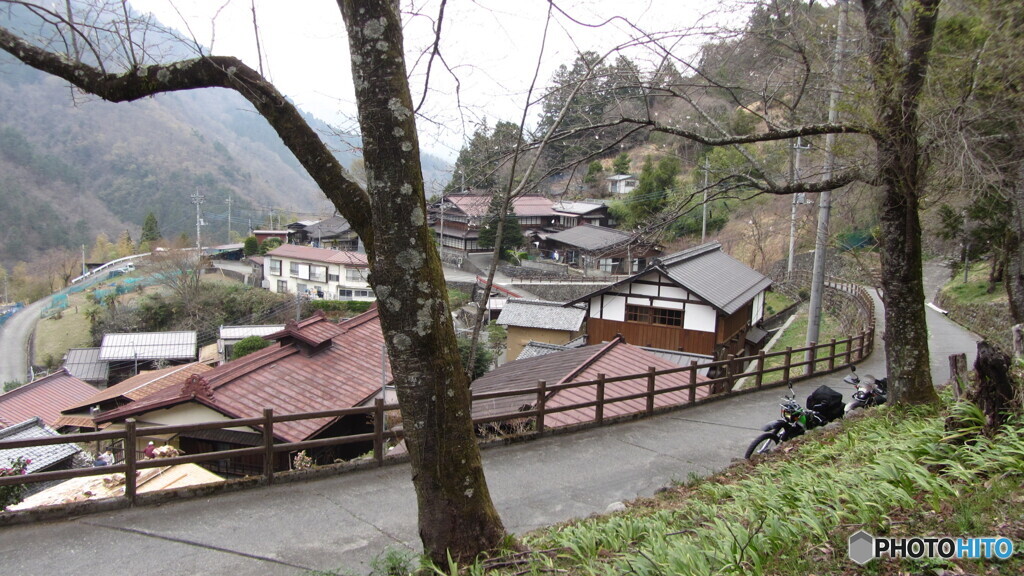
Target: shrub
[
  {"x": 248, "y": 345},
  {"x": 12, "y": 494}
]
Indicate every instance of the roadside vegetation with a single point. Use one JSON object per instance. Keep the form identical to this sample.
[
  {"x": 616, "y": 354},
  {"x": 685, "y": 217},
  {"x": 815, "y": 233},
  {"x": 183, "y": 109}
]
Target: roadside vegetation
[{"x": 891, "y": 472}]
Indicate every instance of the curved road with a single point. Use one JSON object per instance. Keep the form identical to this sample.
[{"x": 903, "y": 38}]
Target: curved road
[
  {"x": 342, "y": 522},
  {"x": 15, "y": 336}
]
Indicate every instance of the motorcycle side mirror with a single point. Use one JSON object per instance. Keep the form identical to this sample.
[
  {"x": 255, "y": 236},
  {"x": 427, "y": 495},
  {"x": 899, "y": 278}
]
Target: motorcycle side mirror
[
  {"x": 853, "y": 368},
  {"x": 792, "y": 393}
]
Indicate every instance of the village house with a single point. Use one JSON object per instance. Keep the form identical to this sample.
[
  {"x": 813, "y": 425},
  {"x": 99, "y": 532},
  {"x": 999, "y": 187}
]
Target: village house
[
  {"x": 456, "y": 219},
  {"x": 128, "y": 353},
  {"x": 539, "y": 321},
  {"x": 600, "y": 249},
  {"x": 317, "y": 273},
  {"x": 622, "y": 183},
  {"x": 43, "y": 398},
  {"x": 313, "y": 365},
  {"x": 699, "y": 300},
  {"x": 334, "y": 233}
]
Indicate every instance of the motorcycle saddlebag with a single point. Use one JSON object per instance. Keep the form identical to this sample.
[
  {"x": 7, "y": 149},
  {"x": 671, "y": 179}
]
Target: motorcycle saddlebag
[{"x": 826, "y": 401}]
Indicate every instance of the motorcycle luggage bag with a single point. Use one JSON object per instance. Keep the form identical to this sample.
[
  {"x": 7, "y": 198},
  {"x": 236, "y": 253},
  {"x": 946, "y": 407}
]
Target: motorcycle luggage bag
[{"x": 826, "y": 401}]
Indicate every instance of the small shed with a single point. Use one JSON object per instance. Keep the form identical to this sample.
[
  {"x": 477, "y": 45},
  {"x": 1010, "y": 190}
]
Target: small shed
[{"x": 540, "y": 321}]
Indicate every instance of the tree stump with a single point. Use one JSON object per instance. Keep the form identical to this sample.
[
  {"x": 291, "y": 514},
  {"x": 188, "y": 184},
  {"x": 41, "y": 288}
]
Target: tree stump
[{"x": 995, "y": 393}]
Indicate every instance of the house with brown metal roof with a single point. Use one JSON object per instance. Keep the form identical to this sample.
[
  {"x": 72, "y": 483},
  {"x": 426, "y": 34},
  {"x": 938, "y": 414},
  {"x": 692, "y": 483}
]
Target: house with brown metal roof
[
  {"x": 314, "y": 365},
  {"x": 317, "y": 273},
  {"x": 612, "y": 359},
  {"x": 81, "y": 414},
  {"x": 599, "y": 248},
  {"x": 44, "y": 397},
  {"x": 699, "y": 300}
]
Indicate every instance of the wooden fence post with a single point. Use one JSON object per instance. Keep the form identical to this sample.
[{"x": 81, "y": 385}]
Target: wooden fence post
[
  {"x": 268, "y": 445},
  {"x": 788, "y": 364},
  {"x": 650, "y": 389},
  {"x": 130, "y": 442},
  {"x": 693, "y": 381},
  {"x": 957, "y": 373},
  {"x": 730, "y": 373},
  {"x": 849, "y": 350},
  {"x": 759, "y": 379},
  {"x": 541, "y": 393},
  {"x": 378, "y": 431},
  {"x": 812, "y": 358},
  {"x": 599, "y": 409},
  {"x": 832, "y": 355}
]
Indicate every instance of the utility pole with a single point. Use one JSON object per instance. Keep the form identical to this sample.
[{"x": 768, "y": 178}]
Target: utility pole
[
  {"x": 229, "y": 218},
  {"x": 825, "y": 200},
  {"x": 198, "y": 200},
  {"x": 704, "y": 204},
  {"x": 797, "y": 199},
  {"x": 84, "y": 269}
]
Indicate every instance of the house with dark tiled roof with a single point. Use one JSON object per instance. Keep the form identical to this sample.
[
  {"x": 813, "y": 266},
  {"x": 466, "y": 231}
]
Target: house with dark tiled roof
[
  {"x": 613, "y": 359},
  {"x": 539, "y": 321},
  {"x": 313, "y": 365},
  {"x": 39, "y": 458},
  {"x": 334, "y": 233},
  {"x": 43, "y": 398},
  {"x": 598, "y": 248},
  {"x": 700, "y": 300}
]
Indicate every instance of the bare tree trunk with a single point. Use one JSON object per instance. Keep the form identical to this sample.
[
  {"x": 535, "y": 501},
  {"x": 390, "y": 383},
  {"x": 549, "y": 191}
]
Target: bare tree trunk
[
  {"x": 898, "y": 77},
  {"x": 1014, "y": 276},
  {"x": 995, "y": 393},
  {"x": 456, "y": 513}
]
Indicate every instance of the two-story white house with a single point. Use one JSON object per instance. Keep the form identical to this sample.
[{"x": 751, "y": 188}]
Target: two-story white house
[{"x": 317, "y": 273}]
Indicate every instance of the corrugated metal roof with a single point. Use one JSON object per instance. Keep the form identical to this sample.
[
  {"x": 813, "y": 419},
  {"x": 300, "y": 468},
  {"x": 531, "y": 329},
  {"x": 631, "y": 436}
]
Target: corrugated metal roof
[
  {"x": 541, "y": 314},
  {"x": 44, "y": 398},
  {"x": 239, "y": 332},
  {"x": 322, "y": 255},
  {"x": 590, "y": 237},
  {"x": 41, "y": 457},
  {"x": 149, "y": 346},
  {"x": 288, "y": 380},
  {"x": 612, "y": 359},
  {"x": 141, "y": 385},
  {"x": 85, "y": 364}
]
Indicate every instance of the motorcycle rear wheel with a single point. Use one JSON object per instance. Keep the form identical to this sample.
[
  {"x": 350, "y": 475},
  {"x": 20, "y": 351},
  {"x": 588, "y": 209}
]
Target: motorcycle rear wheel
[{"x": 762, "y": 444}]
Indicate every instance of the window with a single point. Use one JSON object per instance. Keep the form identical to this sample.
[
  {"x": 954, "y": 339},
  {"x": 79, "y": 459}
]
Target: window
[
  {"x": 332, "y": 277},
  {"x": 275, "y": 267},
  {"x": 659, "y": 316},
  {"x": 293, "y": 269},
  {"x": 282, "y": 286},
  {"x": 318, "y": 273},
  {"x": 354, "y": 275}
]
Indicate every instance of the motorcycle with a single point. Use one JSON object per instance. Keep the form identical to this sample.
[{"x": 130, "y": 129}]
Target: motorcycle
[
  {"x": 869, "y": 392},
  {"x": 823, "y": 406}
]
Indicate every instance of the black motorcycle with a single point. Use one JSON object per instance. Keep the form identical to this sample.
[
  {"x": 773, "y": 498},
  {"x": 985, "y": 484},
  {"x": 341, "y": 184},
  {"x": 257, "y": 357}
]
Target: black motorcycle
[
  {"x": 870, "y": 391},
  {"x": 823, "y": 406}
]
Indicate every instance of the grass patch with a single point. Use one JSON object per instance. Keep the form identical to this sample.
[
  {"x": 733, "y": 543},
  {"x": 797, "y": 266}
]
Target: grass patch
[
  {"x": 975, "y": 290},
  {"x": 795, "y": 336},
  {"x": 775, "y": 302},
  {"x": 890, "y": 472},
  {"x": 55, "y": 336}
]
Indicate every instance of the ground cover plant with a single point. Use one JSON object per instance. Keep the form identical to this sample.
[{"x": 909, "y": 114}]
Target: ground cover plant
[{"x": 890, "y": 472}]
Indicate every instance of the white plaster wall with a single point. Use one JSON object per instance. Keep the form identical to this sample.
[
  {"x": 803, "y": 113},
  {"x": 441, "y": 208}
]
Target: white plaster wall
[{"x": 699, "y": 317}]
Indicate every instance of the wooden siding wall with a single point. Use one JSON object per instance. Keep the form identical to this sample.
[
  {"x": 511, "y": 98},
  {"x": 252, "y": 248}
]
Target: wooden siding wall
[{"x": 665, "y": 337}]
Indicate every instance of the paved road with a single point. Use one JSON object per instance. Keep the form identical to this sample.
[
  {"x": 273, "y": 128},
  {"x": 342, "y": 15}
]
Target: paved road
[
  {"x": 15, "y": 336},
  {"x": 343, "y": 522}
]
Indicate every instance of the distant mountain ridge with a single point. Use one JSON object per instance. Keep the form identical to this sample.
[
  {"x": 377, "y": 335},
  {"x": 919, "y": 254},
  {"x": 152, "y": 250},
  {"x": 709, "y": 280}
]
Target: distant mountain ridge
[{"x": 72, "y": 165}]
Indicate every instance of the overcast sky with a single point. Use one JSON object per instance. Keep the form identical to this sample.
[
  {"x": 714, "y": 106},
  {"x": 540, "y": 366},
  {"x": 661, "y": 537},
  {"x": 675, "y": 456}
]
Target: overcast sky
[{"x": 492, "y": 46}]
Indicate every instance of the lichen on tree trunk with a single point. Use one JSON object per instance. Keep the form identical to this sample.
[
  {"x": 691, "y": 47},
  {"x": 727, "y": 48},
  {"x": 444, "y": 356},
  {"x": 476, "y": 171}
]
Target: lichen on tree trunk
[{"x": 456, "y": 514}]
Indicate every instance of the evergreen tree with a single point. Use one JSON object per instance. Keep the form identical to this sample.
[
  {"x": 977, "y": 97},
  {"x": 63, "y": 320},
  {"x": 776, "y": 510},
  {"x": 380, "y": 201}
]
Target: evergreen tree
[
  {"x": 512, "y": 233},
  {"x": 621, "y": 164},
  {"x": 150, "y": 229}
]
